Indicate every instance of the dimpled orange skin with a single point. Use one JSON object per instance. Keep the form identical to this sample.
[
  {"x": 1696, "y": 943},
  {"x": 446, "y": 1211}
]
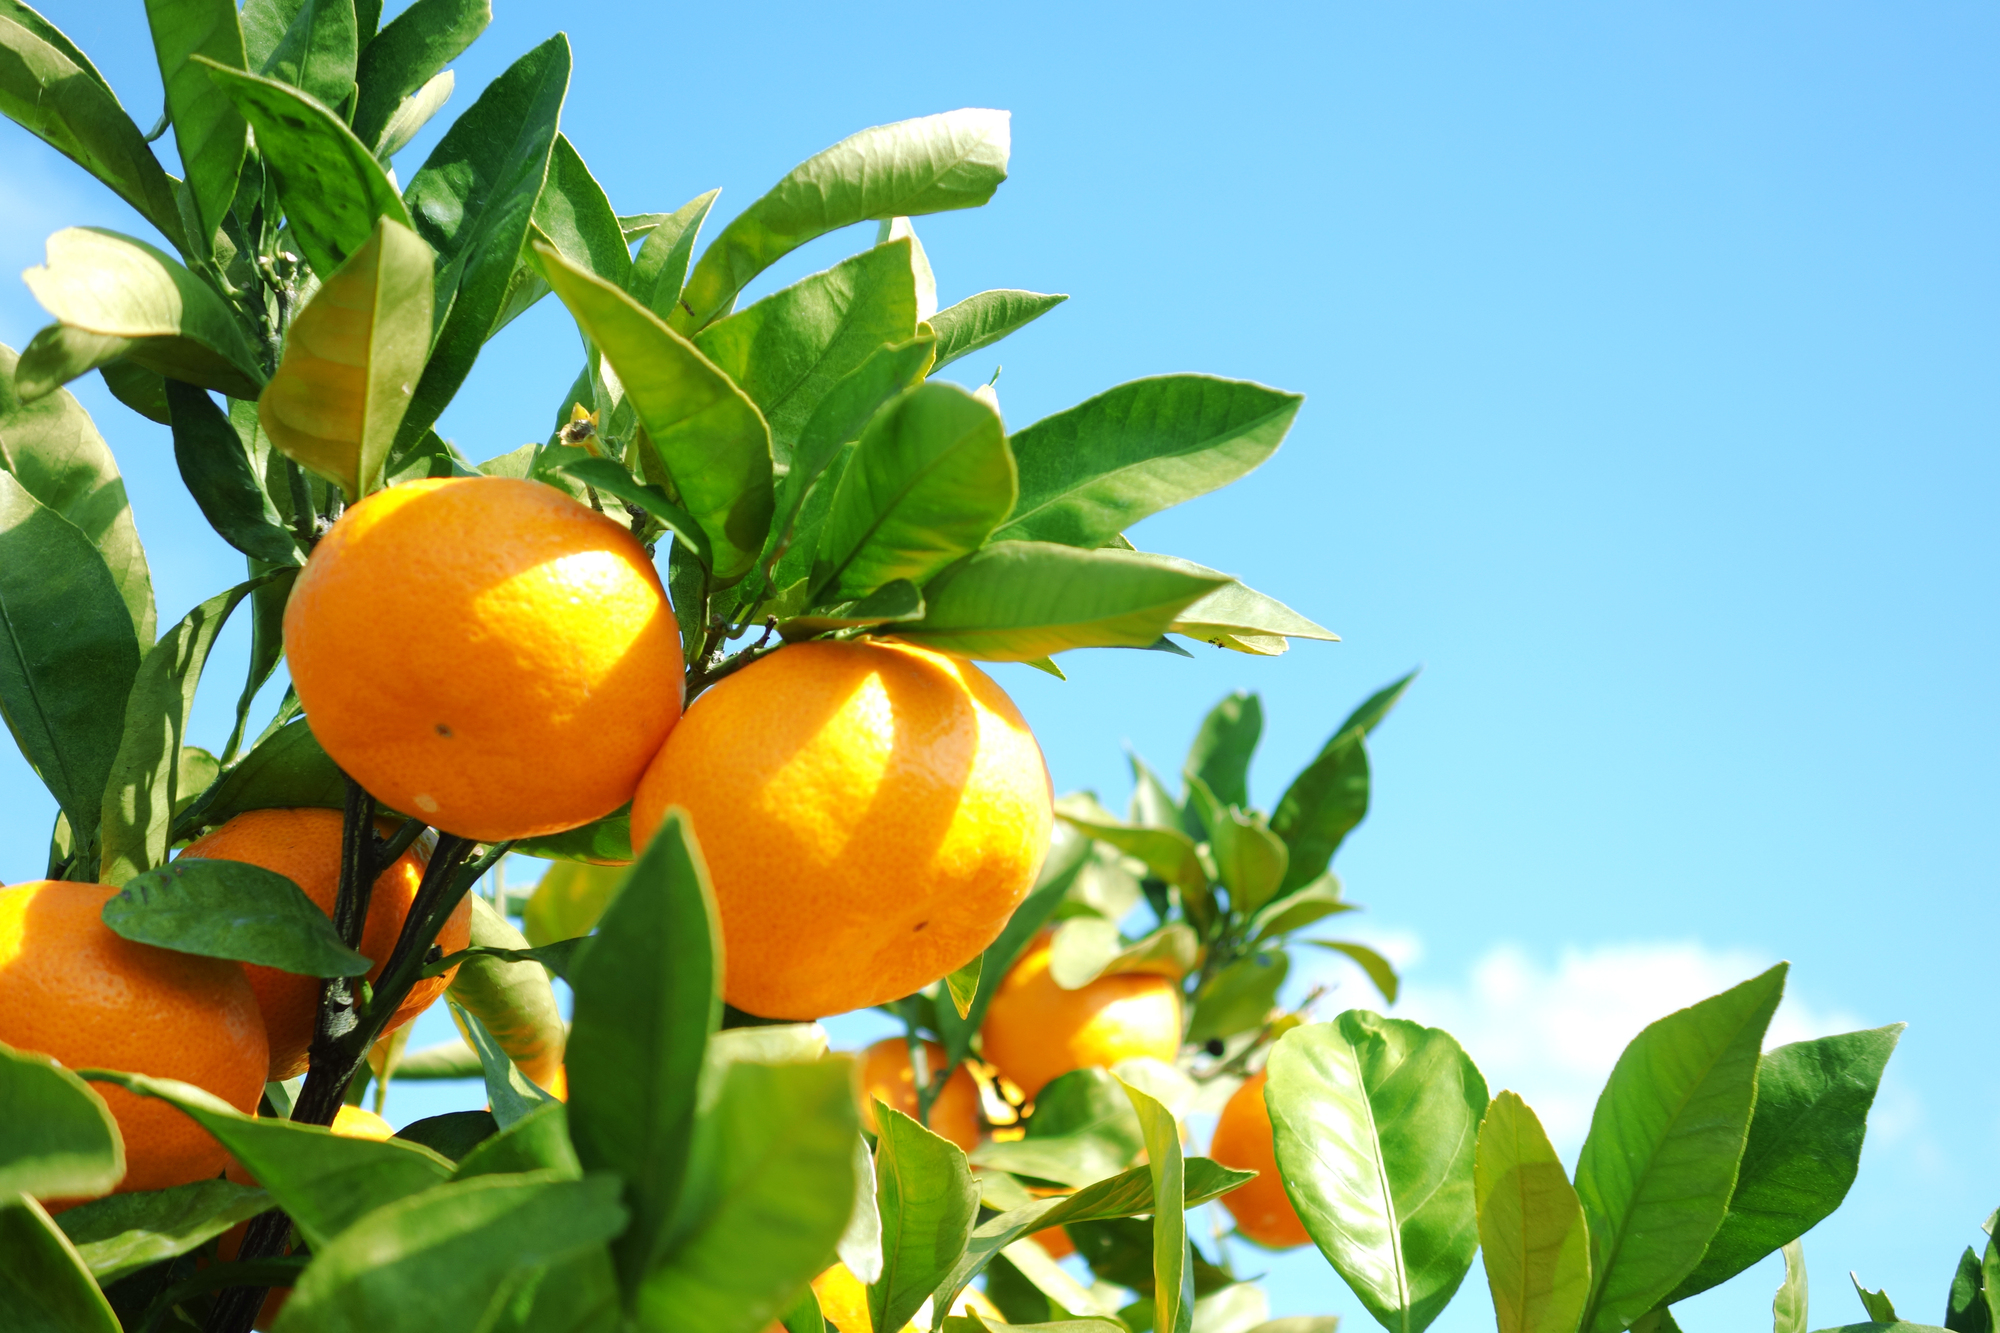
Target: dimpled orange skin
[
  {"x": 886, "y": 1077},
  {"x": 304, "y": 846},
  {"x": 1035, "y": 1030},
  {"x": 73, "y": 990},
  {"x": 870, "y": 813},
  {"x": 1242, "y": 1140},
  {"x": 485, "y": 653}
]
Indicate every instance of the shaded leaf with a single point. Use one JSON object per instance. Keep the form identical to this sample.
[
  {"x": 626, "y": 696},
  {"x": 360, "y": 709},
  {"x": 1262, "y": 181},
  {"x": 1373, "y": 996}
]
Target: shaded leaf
[
  {"x": 404, "y": 56},
  {"x": 1220, "y": 755},
  {"x": 219, "y": 476},
  {"x": 142, "y": 390},
  {"x": 234, "y": 910},
  {"x": 208, "y": 131},
  {"x": 310, "y": 44},
  {"x": 413, "y": 113},
  {"x": 452, "y": 1135},
  {"x": 1168, "y": 853},
  {"x": 662, "y": 263},
  {"x": 572, "y": 214},
  {"x": 1239, "y": 997},
  {"x": 510, "y": 1093},
  {"x": 44, "y": 1285},
  {"x": 287, "y": 769},
  {"x": 1531, "y": 1227},
  {"x": 123, "y": 1233},
  {"x": 895, "y": 601},
  {"x": 927, "y": 1202},
  {"x": 983, "y": 319},
  {"x": 61, "y": 1139},
  {"x": 504, "y": 984},
  {"x": 1083, "y": 1130},
  {"x": 612, "y": 479},
  {"x": 1242, "y": 619}
]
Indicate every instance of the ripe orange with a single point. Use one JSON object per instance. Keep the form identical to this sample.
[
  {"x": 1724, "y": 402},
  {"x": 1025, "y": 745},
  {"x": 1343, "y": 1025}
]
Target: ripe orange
[
  {"x": 304, "y": 846},
  {"x": 1036, "y": 1030},
  {"x": 886, "y": 1076},
  {"x": 485, "y": 653},
  {"x": 71, "y": 989},
  {"x": 1242, "y": 1140},
  {"x": 871, "y": 814}
]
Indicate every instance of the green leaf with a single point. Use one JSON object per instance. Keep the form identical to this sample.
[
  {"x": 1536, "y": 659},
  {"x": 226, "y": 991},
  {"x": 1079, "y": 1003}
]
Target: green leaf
[
  {"x": 452, "y": 1059},
  {"x": 142, "y": 390},
  {"x": 143, "y": 788},
  {"x": 662, "y": 263},
  {"x": 324, "y": 1181},
  {"x": 1788, "y": 1307},
  {"x": 503, "y": 983},
  {"x": 1249, "y": 858},
  {"x": 413, "y": 113},
  {"x": 55, "y": 452},
  {"x": 1083, "y": 1130},
  {"x": 68, "y": 656},
  {"x": 568, "y": 901},
  {"x": 219, "y": 476},
  {"x": 1018, "y": 601},
  {"x": 1220, "y": 755},
  {"x": 647, "y": 991},
  {"x": 288, "y": 769},
  {"x": 1375, "y": 1121},
  {"x": 512, "y": 1095},
  {"x": 44, "y": 1286},
  {"x": 1239, "y": 997},
  {"x": 1530, "y": 1224},
  {"x": 789, "y": 350},
  {"x": 1660, "y": 1162},
  {"x": 1300, "y": 908},
  {"x": 1091, "y": 472},
  {"x": 572, "y": 214},
  {"x": 913, "y": 167},
  {"x": 334, "y": 191},
  {"x": 927, "y": 482},
  {"x": 983, "y": 319},
  {"x": 928, "y": 1204},
  {"x": 351, "y": 358},
  {"x": 539, "y": 1141},
  {"x": 61, "y": 1139},
  {"x": 1169, "y": 854},
  {"x": 140, "y": 304},
  {"x": 309, "y": 44},
  {"x": 1374, "y": 964},
  {"x": 613, "y": 479},
  {"x": 1323, "y": 805},
  {"x": 963, "y": 984},
  {"x": 234, "y": 910},
  {"x": 708, "y": 434},
  {"x": 123, "y": 1233},
  {"x": 1173, "y": 1274},
  {"x": 1059, "y": 872},
  {"x": 53, "y": 91},
  {"x": 1242, "y": 619},
  {"x": 895, "y": 601},
  {"x": 1088, "y": 947},
  {"x": 768, "y": 1195},
  {"x": 403, "y": 57},
  {"x": 453, "y": 1135},
  {"x": 1803, "y": 1149},
  {"x": 208, "y": 131},
  {"x": 449, "y": 1258},
  {"x": 1876, "y": 1303},
  {"x": 474, "y": 201}
]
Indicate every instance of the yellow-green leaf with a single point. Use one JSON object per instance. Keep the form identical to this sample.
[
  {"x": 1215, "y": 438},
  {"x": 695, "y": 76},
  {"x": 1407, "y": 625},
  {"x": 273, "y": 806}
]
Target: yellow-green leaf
[{"x": 1530, "y": 1224}]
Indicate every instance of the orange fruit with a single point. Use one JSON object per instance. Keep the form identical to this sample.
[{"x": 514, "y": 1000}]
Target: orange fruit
[
  {"x": 843, "y": 1300},
  {"x": 870, "y": 813},
  {"x": 1242, "y": 1140},
  {"x": 72, "y": 990},
  {"x": 304, "y": 846},
  {"x": 486, "y": 654},
  {"x": 1056, "y": 1241},
  {"x": 886, "y": 1076},
  {"x": 1036, "y": 1030}
]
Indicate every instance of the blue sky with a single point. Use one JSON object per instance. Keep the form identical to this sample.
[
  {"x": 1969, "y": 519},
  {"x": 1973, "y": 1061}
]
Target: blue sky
[{"x": 1649, "y": 358}]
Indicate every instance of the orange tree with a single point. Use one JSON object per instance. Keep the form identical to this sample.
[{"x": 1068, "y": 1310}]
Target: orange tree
[{"x": 852, "y": 813}]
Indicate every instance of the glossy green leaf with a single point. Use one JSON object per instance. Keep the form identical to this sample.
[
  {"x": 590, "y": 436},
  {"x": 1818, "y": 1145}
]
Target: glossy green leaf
[
  {"x": 1375, "y": 1121},
  {"x": 929, "y": 479},
  {"x": 1803, "y": 1149},
  {"x": 51, "y": 89},
  {"x": 122, "y": 1233},
  {"x": 1168, "y": 853},
  {"x": 1379, "y": 969},
  {"x": 325, "y": 1181},
  {"x": 287, "y": 769},
  {"x": 1788, "y": 1307},
  {"x": 928, "y": 1204},
  {"x": 662, "y": 263},
  {"x": 612, "y": 479},
  {"x": 143, "y": 788},
  {"x": 413, "y": 113},
  {"x": 1531, "y": 1227},
  {"x": 474, "y": 201},
  {"x": 913, "y": 167},
  {"x": 539, "y": 1141},
  {"x": 1329, "y": 797},
  {"x": 44, "y": 1285},
  {"x": 1659, "y": 1165},
  {"x": 1249, "y": 858},
  {"x": 351, "y": 360},
  {"x": 647, "y": 999},
  {"x": 219, "y": 476},
  {"x": 150, "y": 308},
  {"x": 768, "y": 1196},
  {"x": 404, "y": 56},
  {"x": 55, "y": 452},
  {"x": 1059, "y": 872},
  {"x": 60, "y": 1139},
  {"x": 572, "y": 214},
  {"x": 1239, "y": 997},
  {"x": 334, "y": 191},
  {"x": 310, "y": 44},
  {"x": 985, "y": 318},
  {"x": 447, "y": 1260},
  {"x": 1220, "y": 755},
  {"x": 892, "y": 603},
  {"x": 789, "y": 350},
  {"x": 234, "y": 910},
  {"x": 452, "y": 1135},
  {"x": 708, "y": 434},
  {"x": 1018, "y": 601},
  {"x": 1091, "y": 472},
  {"x": 510, "y": 994},
  {"x": 68, "y": 657},
  {"x": 208, "y": 130}
]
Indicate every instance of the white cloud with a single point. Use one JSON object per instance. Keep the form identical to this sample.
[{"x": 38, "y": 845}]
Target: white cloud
[{"x": 1551, "y": 1030}]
